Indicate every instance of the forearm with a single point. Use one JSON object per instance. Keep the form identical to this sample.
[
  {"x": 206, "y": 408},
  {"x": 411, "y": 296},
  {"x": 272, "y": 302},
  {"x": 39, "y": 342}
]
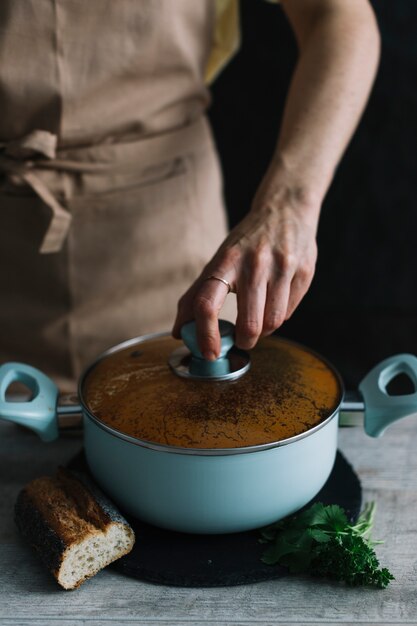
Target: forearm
[
  {"x": 269, "y": 258},
  {"x": 339, "y": 51}
]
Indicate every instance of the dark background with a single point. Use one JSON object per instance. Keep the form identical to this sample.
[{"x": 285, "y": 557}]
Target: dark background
[{"x": 362, "y": 304}]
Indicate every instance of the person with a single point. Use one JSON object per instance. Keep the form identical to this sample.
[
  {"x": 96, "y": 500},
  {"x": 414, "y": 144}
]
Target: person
[{"x": 103, "y": 127}]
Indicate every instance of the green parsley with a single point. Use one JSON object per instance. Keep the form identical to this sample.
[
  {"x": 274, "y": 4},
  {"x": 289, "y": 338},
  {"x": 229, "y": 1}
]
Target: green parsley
[{"x": 321, "y": 541}]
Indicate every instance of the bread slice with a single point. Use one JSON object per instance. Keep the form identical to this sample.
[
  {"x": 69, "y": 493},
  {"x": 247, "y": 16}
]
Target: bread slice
[{"x": 76, "y": 530}]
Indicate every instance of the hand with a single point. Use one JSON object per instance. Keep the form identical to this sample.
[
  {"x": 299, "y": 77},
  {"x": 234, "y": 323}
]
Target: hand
[{"x": 268, "y": 259}]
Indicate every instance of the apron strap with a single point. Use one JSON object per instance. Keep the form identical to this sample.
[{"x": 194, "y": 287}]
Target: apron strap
[
  {"x": 16, "y": 162},
  {"x": 60, "y": 222},
  {"x": 26, "y": 159}
]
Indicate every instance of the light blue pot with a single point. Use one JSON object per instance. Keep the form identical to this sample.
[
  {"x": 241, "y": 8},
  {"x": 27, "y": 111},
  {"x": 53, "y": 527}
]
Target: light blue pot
[{"x": 209, "y": 491}]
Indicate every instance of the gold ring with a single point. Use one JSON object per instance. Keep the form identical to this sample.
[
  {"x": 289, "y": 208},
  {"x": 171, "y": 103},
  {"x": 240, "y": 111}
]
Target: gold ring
[{"x": 222, "y": 280}]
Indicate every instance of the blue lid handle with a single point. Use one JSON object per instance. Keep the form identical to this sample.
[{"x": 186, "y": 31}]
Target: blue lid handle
[
  {"x": 39, "y": 413},
  {"x": 199, "y": 366},
  {"x": 381, "y": 409}
]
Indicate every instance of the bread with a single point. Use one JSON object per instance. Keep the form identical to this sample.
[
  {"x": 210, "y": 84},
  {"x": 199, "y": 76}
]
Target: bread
[{"x": 76, "y": 530}]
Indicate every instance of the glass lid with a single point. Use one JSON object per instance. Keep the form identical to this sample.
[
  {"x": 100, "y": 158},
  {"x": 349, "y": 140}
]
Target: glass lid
[{"x": 286, "y": 391}]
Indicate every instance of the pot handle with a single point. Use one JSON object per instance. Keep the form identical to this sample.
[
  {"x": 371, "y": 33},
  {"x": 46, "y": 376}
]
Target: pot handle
[
  {"x": 381, "y": 409},
  {"x": 39, "y": 413}
]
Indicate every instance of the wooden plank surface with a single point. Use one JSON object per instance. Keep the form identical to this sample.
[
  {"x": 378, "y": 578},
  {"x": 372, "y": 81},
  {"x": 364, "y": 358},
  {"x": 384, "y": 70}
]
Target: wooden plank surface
[{"x": 388, "y": 470}]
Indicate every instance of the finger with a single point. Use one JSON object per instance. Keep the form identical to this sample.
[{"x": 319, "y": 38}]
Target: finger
[
  {"x": 223, "y": 264},
  {"x": 208, "y": 301},
  {"x": 185, "y": 312},
  {"x": 276, "y": 305},
  {"x": 299, "y": 287},
  {"x": 251, "y": 295}
]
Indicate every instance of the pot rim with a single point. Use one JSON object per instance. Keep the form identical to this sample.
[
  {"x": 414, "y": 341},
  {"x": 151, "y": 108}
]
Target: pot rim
[{"x": 160, "y": 447}]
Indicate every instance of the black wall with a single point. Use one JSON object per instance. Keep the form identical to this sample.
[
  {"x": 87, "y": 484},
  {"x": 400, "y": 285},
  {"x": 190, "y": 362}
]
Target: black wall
[{"x": 362, "y": 305}]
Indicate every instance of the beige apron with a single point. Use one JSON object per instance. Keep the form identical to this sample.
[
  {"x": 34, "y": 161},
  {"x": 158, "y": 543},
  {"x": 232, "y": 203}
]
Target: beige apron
[{"x": 110, "y": 190}]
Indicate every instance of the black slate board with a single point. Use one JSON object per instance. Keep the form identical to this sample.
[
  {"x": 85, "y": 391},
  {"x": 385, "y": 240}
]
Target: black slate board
[{"x": 183, "y": 560}]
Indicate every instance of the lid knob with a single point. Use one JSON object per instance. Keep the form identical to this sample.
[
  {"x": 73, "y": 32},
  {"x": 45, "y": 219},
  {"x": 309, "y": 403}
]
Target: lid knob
[
  {"x": 189, "y": 337},
  {"x": 190, "y": 363}
]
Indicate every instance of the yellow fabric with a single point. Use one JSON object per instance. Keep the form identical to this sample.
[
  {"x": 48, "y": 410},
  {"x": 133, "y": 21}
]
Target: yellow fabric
[{"x": 226, "y": 40}]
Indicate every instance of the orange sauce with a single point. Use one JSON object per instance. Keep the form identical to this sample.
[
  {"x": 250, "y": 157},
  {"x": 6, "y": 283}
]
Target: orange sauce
[{"x": 287, "y": 391}]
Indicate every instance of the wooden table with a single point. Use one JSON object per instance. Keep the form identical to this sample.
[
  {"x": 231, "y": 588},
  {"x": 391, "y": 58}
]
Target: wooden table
[{"x": 388, "y": 470}]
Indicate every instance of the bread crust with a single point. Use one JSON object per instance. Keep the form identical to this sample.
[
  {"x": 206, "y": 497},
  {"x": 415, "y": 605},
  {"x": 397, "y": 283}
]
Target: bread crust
[
  {"x": 36, "y": 530},
  {"x": 58, "y": 513}
]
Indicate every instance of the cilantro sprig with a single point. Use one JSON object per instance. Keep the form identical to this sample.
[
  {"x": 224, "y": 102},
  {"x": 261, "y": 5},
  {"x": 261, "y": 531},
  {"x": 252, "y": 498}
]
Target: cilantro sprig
[{"x": 321, "y": 541}]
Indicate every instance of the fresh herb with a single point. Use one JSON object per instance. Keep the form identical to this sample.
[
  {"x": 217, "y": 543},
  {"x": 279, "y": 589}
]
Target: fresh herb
[{"x": 322, "y": 542}]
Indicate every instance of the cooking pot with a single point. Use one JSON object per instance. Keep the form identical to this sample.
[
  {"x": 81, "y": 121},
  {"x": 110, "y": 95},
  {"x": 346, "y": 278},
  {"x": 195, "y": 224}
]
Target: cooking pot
[{"x": 222, "y": 480}]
